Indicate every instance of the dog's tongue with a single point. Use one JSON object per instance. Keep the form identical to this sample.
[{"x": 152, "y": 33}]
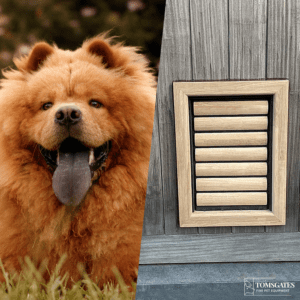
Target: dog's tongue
[{"x": 72, "y": 177}]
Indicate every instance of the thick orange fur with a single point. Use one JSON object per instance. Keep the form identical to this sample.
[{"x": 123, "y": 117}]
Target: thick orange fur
[{"x": 106, "y": 230}]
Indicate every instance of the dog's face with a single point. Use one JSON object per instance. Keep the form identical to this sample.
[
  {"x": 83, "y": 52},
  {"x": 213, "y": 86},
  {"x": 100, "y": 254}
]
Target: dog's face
[
  {"x": 73, "y": 125},
  {"x": 77, "y": 110},
  {"x": 71, "y": 107}
]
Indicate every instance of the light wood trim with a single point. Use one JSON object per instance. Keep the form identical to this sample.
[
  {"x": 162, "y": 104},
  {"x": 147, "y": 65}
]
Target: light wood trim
[
  {"x": 231, "y": 139},
  {"x": 231, "y": 88},
  {"x": 231, "y": 184},
  {"x": 190, "y": 218},
  {"x": 182, "y": 130},
  {"x": 231, "y": 154},
  {"x": 279, "y": 151},
  {"x": 230, "y": 123},
  {"x": 231, "y": 169},
  {"x": 220, "y": 199},
  {"x": 231, "y": 108},
  {"x": 232, "y": 218}
]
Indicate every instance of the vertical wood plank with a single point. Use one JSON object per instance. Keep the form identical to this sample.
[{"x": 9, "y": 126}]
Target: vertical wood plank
[
  {"x": 153, "y": 217},
  {"x": 209, "y": 35},
  {"x": 279, "y": 41},
  {"x": 175, "y": 64},
  {"x": 247, "y": 49},
  {"x": 293, "y": 165},
  {"x": 247, "y": 39},
  {"x": 283, "y": 62}
]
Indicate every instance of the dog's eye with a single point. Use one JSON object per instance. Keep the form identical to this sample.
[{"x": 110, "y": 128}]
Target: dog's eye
[
  {"x": 95, "y": 103},
  {"x": 47, "y": 105}
]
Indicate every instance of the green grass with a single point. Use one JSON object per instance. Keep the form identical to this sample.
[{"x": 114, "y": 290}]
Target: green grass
[{"x": 30, "y": 285}]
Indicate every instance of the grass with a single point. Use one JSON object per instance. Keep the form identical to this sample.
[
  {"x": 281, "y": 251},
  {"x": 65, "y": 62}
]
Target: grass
[{"x": 30, "y": 285}]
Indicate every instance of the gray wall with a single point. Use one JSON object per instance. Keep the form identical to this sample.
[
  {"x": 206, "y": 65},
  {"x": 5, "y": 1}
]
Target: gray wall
[{"x": 221, "y": 40}]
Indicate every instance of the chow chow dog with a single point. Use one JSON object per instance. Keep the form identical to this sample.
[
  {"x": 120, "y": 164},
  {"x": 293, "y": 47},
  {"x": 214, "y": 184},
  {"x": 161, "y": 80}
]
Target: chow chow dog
[{"x": 75, "y": 140}]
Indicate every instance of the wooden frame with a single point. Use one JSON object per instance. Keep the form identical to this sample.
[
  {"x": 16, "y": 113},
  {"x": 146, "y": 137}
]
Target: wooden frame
[{"x": 192, "y": 218}]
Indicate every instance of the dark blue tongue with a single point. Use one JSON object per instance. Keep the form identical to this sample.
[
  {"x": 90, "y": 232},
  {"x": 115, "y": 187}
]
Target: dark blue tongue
[{"x": 72, "y": 177}]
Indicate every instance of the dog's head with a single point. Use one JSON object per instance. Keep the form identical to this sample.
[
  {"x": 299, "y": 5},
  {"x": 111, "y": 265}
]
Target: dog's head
[{"x": 81, "y": 109}]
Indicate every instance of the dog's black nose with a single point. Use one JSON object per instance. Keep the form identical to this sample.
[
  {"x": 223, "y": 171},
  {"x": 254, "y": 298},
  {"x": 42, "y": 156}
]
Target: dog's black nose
[{"x": 68, "y": 115}]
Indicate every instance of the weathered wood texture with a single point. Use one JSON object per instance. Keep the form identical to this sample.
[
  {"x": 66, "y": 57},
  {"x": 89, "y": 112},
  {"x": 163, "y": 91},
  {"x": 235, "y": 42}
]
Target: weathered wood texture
[
  {"x": 283, "y": 61},
  {"x": 247, "y": 39},
  {"x": 220, "y": 248},
  {"x": 175, "y": 64},
  {"x": 223, "y": 40},
  {"x": 154, "y": 218},
  {"x": 209, "y": 39}
]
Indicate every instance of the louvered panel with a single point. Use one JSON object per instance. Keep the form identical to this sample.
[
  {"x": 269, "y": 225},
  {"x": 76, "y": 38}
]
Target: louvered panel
[{"x": 229, "y": 136}]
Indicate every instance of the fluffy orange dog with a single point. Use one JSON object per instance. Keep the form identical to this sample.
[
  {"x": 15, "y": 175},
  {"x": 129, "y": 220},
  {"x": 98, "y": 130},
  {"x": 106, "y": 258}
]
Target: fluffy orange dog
[{"x": 74, "y": 149}]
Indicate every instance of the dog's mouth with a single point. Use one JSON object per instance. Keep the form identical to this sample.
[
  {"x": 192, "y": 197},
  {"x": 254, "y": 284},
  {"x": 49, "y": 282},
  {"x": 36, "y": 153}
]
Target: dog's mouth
[{"x": 75, "y": 168}]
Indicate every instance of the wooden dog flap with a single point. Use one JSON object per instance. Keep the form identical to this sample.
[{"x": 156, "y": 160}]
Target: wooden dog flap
[{"x": 231, "y": 146}]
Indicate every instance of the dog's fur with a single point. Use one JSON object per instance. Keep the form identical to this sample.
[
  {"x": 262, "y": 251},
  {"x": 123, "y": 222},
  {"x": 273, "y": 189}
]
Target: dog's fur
[{"x": 105, "y": 229}]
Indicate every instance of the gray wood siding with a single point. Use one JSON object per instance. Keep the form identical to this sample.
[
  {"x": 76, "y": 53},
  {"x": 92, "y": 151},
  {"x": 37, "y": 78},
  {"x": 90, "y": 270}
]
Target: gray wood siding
[
  {"x": 221, "y": 248},
  {"x": 220, "y": 40}
]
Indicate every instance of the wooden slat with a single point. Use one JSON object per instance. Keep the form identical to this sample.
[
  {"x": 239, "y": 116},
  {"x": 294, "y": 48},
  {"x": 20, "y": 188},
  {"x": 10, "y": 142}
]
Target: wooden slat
[
  {"x": 231, "y": 169},
  {"x": 203, "y": 108},
  {"x": 231, "y": 154},
  {"x": 220, "y": 199},
  {"x": 231, "y": 139},
  {"x": 230, "y": 123},
  {"x": 231, "y": 184}
]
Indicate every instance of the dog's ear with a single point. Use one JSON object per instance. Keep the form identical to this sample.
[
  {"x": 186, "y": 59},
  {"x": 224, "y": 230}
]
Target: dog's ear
[
  {"x": 101, "y": 48},
  {"x": 36, "y": 57}
]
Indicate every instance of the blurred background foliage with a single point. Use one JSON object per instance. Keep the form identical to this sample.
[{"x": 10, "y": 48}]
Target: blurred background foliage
[{"x": 67, "y": 23}]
